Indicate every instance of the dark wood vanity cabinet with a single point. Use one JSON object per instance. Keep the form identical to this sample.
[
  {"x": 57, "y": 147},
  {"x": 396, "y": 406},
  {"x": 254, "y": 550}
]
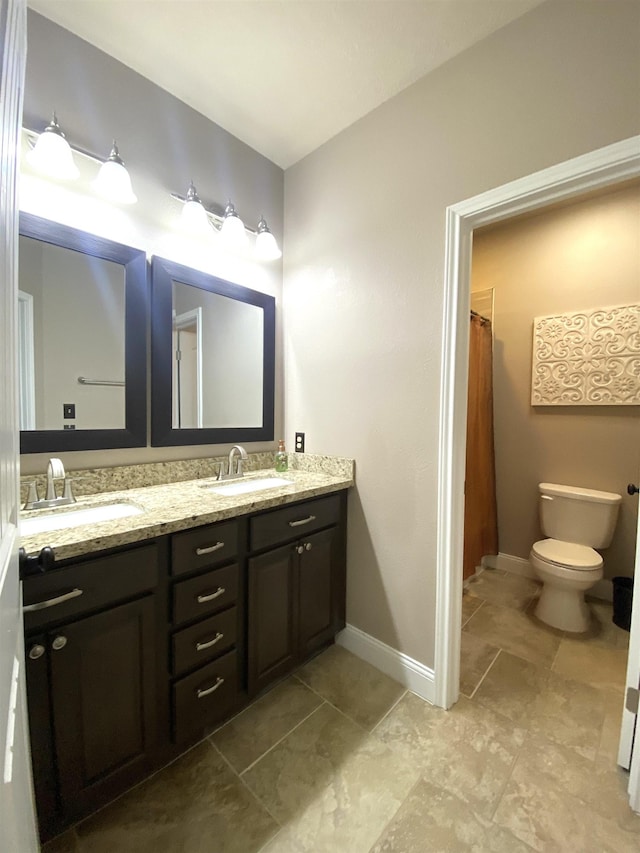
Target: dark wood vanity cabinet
[
  {"x": 136, "y": 653},
  {"x": 207, "y": 628},
  {"x": 95, "y": 680},
  {"x": 295, "y": 591}
]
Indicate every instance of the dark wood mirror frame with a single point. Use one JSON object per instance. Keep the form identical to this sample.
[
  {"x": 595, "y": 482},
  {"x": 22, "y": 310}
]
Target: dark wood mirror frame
[
  {"x": 163, "y": 274},
  {"x": 134, "y": 263}
]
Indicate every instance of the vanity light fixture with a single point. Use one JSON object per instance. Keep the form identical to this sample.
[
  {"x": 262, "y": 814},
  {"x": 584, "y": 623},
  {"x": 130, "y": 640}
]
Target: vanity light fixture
[
  {"x": 113, "y": 181},
  {"x": 226, "y": 222},
  {"x": 52, "y": 154}
]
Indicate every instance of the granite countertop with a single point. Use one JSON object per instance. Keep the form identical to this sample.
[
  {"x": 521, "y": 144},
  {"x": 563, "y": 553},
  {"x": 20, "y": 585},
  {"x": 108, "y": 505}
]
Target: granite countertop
[{"x": 172, "y": 507}]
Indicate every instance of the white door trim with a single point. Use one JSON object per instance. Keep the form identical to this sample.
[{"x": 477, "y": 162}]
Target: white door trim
[{"x": 599, "y": 169}]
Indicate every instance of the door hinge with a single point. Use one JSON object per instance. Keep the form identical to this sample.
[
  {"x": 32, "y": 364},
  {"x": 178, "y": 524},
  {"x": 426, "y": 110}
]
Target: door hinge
[
  {"x": 178, "y": 355},
  {"x": 632, "y": 700}
]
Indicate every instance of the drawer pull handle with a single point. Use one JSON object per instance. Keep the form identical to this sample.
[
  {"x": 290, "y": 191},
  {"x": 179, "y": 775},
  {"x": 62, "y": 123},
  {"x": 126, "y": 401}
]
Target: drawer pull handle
[
  {"x": 51, "y": 602},
  {"x": 209, "y": 690},
  {"x": 302, "y": 521},
  {"x": 200, "y": 647},
  {"x": 210, "y": 549},
  {"x": 209, "y": 596}
]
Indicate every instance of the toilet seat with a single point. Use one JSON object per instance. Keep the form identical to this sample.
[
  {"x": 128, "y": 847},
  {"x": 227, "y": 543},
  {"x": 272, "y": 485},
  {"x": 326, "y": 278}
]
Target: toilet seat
[{"x": 567, "y": 555}]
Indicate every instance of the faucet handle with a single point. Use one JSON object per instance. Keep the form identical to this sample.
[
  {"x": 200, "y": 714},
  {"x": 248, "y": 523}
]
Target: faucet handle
[
  {"x": 32, "y": 495},
  {"x": 67, "y": 494}
]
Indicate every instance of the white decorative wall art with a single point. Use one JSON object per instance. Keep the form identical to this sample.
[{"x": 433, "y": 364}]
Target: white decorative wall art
[{"x": 587, "y": 358}]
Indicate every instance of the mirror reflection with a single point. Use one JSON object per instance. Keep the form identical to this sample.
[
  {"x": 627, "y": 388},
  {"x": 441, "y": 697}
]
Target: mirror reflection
[
  {"x": 82, "y": 337},
  {"x": 212, "y": 359},
  {"x": 218, "y": 364},
  {"x": 71, "y": 309}
]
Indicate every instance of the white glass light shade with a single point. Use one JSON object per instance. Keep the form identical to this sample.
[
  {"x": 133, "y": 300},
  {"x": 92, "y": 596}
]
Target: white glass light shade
[
  {"x": 52, "y": 154},
  {"x": 113, "y": 181},
  {"x": 232, "y": 229},
  {"x": 267, "y": 248},
  {"x": 193, "y": 218}
]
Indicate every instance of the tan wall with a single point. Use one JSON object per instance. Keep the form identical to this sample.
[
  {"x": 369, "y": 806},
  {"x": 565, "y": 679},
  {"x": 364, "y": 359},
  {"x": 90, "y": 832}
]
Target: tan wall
[
  {"x": 364, "y": 269},
  {"x": 582, "y": 256}
]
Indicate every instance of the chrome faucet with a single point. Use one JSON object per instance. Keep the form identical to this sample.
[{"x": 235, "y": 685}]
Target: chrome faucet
[
  {"x": 234, "y": 471},
  {"x": 55, "y": 471}
]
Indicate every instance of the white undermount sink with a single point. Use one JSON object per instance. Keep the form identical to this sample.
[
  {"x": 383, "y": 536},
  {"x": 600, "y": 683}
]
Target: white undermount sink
[
  {"x": 57, "y": 519},
  {"x": 243, "y": 487}
]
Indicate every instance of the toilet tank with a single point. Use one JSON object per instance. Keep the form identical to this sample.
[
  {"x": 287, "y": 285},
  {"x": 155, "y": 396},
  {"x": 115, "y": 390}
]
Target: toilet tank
[{"x": 573, "y": 514}]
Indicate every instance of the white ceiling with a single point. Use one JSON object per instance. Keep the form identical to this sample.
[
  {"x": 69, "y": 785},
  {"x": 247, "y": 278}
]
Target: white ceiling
[{"x": 283, "y": 75}]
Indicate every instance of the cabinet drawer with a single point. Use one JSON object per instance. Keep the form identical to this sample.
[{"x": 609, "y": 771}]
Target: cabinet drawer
[
  {"x": 204, "y": 641},
  {"x": 293, "y": 521},
  {"x": 203, "y": 698},
  {"x": 203, "y": 547},
  {"x": 100, "y": 582},
  {"x": 205, "y": 594}
]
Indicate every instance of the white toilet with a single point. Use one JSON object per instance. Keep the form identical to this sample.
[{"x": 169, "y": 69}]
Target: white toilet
[{"x": 577, "y": 521}]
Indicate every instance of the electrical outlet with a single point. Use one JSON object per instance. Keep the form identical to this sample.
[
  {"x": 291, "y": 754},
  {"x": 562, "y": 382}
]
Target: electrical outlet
[
  {"x": 299, "y": 442},
  {"x": 68, "y": 410}
]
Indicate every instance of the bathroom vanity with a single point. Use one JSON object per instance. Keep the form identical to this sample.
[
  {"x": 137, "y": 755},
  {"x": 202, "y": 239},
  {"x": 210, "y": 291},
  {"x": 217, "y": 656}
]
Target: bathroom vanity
[{"x": 149, "y": 631}]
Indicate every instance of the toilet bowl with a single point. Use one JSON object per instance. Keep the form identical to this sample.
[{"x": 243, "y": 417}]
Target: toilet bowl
[
  {"x": 576, "y": 520},
  {"x": 566, "y": 570}
]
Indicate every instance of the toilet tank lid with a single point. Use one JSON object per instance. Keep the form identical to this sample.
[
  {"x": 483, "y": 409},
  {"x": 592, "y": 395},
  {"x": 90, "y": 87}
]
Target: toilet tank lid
[{"x": 578, "y": 493}]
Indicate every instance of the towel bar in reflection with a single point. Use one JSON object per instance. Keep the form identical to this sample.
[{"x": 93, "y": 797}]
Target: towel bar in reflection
[{"x": 82, "y": 380}]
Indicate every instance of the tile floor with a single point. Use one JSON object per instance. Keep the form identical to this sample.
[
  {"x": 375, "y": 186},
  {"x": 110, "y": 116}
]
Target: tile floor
[{"x": 341, "y": 759}]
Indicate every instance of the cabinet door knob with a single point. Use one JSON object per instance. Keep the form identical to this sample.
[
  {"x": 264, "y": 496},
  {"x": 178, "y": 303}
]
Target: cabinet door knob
[
  {"x": 36, "y": 651},
  {"x": 299, "y": 549},
  {"x": 59, "y": 642},
  {"x": 308, "y": 546}
]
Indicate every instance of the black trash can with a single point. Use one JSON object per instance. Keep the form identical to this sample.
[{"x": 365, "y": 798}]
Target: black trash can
[{"x": 622, "y": 598}]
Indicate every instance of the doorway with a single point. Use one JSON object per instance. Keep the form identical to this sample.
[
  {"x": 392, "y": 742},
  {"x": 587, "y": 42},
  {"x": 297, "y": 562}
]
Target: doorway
[{"x": 603, "y": 168}]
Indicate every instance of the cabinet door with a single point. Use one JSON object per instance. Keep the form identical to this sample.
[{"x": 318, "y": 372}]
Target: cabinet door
[
  {"x": 272, "y": 616},
  {"x": 317, "y": 621},
  {"x": 103, "y": 691}
]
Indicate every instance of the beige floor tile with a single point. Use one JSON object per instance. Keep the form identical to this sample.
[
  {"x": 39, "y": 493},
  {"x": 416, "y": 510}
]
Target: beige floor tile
[
  {"x": 196, "y": 799},
  {"x": 468, "y": 750},
  {"x": 592, "y": 664},
  {"x": 610, "y": 737},
  {"x": 249, "y": 735},
  {"x": 511, "y": 687},
  {"x": 604, "y": 790},
  {"x": 476, "y": 657},
  {"x": 359, "y": 690},
  {"x": 432, "y": 819},
  {"x": 569, "y": 713},
  {"x": 504, "y": 588},
  {"x": 540, "y": 807},
  {"x": 603, "y": 631},
  {"x": 331, "y": 784},
  {"x": 515, "y": 632},
  {"x": 470, "y": 603}
]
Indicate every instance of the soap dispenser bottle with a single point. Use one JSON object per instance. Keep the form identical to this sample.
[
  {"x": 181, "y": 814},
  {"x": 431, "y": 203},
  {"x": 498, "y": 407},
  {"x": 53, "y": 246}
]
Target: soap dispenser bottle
[{"x": 282, "y": 461}]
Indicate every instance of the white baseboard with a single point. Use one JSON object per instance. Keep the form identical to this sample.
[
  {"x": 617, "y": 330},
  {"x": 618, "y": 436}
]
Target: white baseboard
[
  {"x": 514, "y": 565},
  {"x": 603, "y": 590},
  {"x": 415, "y": 676}
]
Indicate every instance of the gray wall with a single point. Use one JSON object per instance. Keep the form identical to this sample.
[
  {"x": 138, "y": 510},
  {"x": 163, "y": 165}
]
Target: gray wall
[
  {"x": 165, "y": 144},
  {"x": 364, "y": 268},
  {"x": 580, "y": 257}
]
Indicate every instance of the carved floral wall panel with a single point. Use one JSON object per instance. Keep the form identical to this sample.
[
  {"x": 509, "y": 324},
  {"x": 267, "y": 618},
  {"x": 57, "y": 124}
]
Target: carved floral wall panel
[{"x": 587, "y": 358}]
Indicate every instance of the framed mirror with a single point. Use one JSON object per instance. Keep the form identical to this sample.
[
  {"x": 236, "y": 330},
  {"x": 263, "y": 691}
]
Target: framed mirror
[
  {"x": 82, "y": 331},
  {"x": 212, "y": 359}
]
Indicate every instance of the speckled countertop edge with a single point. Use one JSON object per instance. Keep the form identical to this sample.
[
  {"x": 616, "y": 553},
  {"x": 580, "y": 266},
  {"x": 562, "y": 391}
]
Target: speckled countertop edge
[{"x": 172, "y": 507}]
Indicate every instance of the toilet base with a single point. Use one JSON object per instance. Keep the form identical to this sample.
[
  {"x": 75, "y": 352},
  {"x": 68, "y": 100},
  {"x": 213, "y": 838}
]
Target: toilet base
[{"x": 565, "y": 609}]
